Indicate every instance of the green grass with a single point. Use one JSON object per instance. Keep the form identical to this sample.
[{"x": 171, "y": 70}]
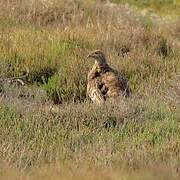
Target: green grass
[
  {"x": 44, "y": 138},
  {"x": 163, "y": 7},
  {"x": 144, "y": 134}
]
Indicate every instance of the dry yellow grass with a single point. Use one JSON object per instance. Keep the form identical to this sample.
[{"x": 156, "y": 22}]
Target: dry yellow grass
[{"x": 90, "y": 173}]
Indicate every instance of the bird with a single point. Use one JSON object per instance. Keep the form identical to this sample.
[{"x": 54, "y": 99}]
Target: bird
[{"x": 103, "y": 82}]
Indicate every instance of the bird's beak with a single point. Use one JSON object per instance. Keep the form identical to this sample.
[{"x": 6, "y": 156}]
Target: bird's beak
[{"x": 89, "y": 56}]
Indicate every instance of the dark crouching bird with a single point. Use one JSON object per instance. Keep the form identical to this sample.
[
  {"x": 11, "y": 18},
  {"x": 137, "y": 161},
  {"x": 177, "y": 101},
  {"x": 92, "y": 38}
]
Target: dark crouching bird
[{"x": 105, "y": 82}]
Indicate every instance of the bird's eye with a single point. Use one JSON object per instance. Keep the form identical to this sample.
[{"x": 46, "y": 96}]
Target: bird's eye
[{"x": 96, "y": 52}]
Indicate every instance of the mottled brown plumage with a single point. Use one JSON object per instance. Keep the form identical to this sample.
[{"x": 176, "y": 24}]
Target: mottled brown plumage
[{"x": 105, "y": 82}]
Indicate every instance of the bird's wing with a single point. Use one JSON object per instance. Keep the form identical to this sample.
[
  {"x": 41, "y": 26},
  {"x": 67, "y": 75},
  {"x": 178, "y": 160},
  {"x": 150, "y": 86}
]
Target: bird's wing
[
  {"x": 116, "y": 83},
  {"x": 94, "y": 92},
  {"x": 123, "y": 81}
]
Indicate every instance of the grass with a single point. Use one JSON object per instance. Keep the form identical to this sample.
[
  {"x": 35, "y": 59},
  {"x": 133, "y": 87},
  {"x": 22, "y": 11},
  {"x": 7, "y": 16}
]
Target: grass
[
  {"x": 130, "y": 137},
  {"x": 49, "y": 126},
  {"x": 162, "y": 7}
]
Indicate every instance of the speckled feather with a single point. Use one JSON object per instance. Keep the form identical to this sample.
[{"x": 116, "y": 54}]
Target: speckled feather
[{"x": 105, "y": 82}]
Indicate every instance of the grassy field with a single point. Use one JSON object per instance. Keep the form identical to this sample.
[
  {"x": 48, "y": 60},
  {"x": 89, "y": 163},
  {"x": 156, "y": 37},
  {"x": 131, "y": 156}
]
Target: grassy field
[
  {"x": 50, "y": 129},
  {"x": 162, "y": 7}
]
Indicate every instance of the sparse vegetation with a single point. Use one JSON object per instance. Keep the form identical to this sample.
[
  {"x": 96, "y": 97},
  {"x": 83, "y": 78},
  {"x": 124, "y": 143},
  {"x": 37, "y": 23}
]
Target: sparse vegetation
[
  {"x": 164, "y": 7},
  {"x": 50, "y": 122}
]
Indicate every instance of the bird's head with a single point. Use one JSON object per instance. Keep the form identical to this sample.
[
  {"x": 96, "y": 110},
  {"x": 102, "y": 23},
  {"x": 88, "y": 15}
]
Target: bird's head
[{"x": 98, "y": 56}]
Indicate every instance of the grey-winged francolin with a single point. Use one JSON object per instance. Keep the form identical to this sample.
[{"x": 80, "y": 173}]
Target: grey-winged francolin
[{"x": 105, "y": 82}]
